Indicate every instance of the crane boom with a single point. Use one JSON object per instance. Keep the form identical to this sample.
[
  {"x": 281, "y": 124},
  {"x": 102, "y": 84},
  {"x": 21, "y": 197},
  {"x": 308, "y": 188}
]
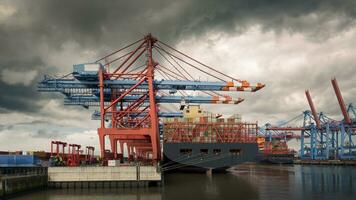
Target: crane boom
[
  {"x": 341, "y": 101},
  {"x": 313, "y": 110}
]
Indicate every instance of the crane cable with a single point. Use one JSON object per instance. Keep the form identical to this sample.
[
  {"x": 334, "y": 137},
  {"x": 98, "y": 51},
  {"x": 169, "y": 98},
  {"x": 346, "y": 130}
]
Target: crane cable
[{"x": 238, "y": 80}]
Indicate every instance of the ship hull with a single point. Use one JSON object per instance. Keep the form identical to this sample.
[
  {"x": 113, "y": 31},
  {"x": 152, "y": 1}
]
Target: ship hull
[
  {"x": 278, "y": 159},
  {"x": 199, "y": 157}
]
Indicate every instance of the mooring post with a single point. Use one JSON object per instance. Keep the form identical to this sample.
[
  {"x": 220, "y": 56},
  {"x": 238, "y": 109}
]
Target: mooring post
[
  {"x": 209, "y": 172},
  {"x": 138, "y": 171}
]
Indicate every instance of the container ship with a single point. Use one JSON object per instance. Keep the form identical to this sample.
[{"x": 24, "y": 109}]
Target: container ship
[
  {"x": 274, "y": 149},
  {"x": 203, "y": 141}
]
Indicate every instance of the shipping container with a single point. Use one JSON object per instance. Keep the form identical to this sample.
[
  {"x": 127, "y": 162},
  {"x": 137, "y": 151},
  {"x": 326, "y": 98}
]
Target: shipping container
[
  {"x": 113, "y": 163},
  {"x": 19, "y": 160}
]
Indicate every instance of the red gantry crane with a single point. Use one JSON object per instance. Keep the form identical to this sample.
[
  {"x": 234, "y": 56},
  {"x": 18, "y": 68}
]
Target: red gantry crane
[
  {"x": 59, "y": 152},
  {"x": 73, "y": 155},
  {"x": 89, "y": 154},
  {"x": 124, "y": 85}
]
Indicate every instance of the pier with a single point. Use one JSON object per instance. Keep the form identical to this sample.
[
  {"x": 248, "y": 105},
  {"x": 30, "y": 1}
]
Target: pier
[
  {"x": 19, "y": 179},
  {"x": 326, "y": 162},
  {"x": 100, "y": 177}
]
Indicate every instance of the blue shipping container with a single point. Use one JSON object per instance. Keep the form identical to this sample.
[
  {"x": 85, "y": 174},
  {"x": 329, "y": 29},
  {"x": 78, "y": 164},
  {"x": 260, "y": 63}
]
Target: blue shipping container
[{"x": 19, "y": 160}]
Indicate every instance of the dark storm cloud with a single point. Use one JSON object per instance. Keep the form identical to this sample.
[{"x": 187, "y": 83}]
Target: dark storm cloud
[
  {"x": 44, "y": 133},
  {"x": 19, "y": 98},
  {"x": 99, "y": 25},
  {"x": 34, "y": 122},
  {"x": 89, "y": 22}
]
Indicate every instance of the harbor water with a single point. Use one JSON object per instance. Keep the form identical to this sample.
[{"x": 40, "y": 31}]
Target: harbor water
[{"x": 248, "y": 181}]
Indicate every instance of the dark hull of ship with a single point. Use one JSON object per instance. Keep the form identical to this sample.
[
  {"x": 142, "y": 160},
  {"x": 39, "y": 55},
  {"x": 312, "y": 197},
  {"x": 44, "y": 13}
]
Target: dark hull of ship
[
  {"x": 278, "y": 159},
  {"x": 200, "y": 157}
]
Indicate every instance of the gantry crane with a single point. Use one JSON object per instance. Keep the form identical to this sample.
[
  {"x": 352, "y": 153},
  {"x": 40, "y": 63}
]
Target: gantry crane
[
  {"x": 322, "y": 137},
  {"x": 58, "y": 155},
  {"x": 73, "y": 155},
  {"x": 89, "y": 154},
  {"x": 347, "y": 126},
  {"x": 125, "y": 87},
  {"x": 59, "y": 148}
]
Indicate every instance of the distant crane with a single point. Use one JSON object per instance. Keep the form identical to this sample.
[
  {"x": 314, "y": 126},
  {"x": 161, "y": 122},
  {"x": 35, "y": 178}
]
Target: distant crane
[
  {"x": 73, "y": 155},
  {"x": 89, "y": 154},
  {"x": 59, "y": 148},
  {"x": 322, "y": 137}
]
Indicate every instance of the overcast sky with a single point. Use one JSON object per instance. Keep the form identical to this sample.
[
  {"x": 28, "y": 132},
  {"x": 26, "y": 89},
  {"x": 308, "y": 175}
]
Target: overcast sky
[{"x": 288, "y": 45}]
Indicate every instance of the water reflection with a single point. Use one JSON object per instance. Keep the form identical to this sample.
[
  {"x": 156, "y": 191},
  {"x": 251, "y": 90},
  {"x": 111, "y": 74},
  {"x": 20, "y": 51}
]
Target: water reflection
[
  {"x": 250, "y": 182},
  {"x": 96, "y": 194},
  {"x": 201, "y": 186},
  {"x": 300, "y": 182},
  {"x": 327, "y": 182}
]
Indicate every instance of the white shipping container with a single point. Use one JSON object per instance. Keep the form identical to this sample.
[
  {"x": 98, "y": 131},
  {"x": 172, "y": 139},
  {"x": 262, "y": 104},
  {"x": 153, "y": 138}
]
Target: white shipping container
[
  {"x": 91, "y": 67},
  {"x": 113, "y": 163}
]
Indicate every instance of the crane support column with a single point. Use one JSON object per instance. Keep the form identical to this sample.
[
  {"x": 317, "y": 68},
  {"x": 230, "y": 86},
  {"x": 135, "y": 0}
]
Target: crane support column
[
  {"x": 101, "y": 130},
  {"x": 156, "y": 150}
]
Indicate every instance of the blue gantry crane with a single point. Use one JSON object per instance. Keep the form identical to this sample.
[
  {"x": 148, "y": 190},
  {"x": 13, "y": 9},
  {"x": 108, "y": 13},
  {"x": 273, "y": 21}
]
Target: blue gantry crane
[{"x": 321, "y": 137}]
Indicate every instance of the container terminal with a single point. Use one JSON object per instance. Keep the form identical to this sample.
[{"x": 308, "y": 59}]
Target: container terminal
[{"x": 126, "y": 96}]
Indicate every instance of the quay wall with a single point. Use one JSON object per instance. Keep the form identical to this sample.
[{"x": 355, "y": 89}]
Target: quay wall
[
  {"x": 88, "y": 177},
  {"x": 15, "y": 180}
]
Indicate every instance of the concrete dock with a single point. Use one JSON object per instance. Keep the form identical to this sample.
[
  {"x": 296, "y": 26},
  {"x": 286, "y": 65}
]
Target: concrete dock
[
  {"x": 93, "y": 177},
  {"x": 325, "y": 162},
  {"x": 14, "y": 180}
]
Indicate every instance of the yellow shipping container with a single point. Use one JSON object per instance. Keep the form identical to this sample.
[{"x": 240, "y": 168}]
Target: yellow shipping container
[{"x": 192, "y": 111}]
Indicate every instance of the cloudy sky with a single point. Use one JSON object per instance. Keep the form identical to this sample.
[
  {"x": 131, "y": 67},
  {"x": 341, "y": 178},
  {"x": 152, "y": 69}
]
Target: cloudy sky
[{"x": 288, "y": 45}]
